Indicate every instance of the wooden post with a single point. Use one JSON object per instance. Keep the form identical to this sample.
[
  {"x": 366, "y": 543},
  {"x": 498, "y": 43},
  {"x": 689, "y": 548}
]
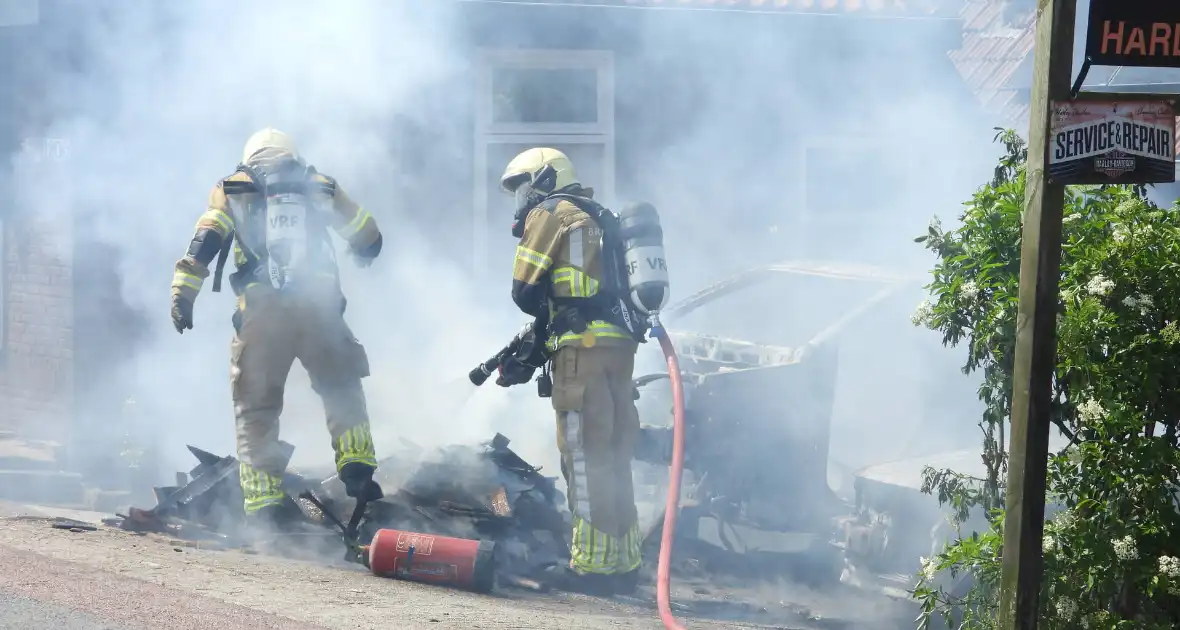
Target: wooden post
[{"x": 1036, "y": 326}]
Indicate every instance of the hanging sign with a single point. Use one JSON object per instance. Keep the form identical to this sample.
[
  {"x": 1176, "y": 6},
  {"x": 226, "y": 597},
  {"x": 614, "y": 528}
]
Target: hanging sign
[
  {"x": 1108, "y": 142},
  {"x": 1134, "y": 33}
]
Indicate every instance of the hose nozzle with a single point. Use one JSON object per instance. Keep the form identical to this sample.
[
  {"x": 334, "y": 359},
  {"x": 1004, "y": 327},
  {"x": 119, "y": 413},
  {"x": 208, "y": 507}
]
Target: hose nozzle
[{"x": 480, "y": 374}]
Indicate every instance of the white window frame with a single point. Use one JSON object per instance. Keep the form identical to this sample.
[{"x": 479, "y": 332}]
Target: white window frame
[
  {"x": 489, "y": 60},
  {"x": 488, "y": 133}
]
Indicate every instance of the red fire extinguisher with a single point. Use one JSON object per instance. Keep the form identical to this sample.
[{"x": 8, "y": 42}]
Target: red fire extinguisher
[
  {"x": 442, "y": 560},
  {"x": 456, "y": 562}
]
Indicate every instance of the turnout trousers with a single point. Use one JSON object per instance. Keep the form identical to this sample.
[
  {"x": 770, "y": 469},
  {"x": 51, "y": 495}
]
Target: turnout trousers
[
  {"x": 272, "y": 330},
  {"x": 597, "y": 427}
]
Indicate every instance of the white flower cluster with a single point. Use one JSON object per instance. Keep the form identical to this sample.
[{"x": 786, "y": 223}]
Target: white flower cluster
[
  {"x": 1071, "y": 218},
  {"x": 1170, "y": 566},
  {"x": 969, "y": 290},
  {"x": 1125, "y": 548},
  {"x": 923, "y": 314},
  {"x": 1130, "y": 207},
  {"x": 1120, "y": 234},
  {"x": 1091, "y": 411},
  {"x": 935, "y": 224},
  {"x": 1064, "y": 519},
  {"x": 929, "y": 569},
  {"x": 1143, "y": 302},
  {"x": 1066, "y": 608},
  {"x": 1049, "y": 544},
  {"x": 1099, "y": 285}
]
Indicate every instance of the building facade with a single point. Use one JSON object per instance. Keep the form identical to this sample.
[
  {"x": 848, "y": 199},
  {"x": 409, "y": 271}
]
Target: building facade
[{"x": 36, "y": 274}]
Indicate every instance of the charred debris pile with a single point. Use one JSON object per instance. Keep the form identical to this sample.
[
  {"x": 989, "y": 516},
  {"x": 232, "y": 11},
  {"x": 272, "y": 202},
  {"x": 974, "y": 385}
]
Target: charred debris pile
[{"x": 487, "y": 492}]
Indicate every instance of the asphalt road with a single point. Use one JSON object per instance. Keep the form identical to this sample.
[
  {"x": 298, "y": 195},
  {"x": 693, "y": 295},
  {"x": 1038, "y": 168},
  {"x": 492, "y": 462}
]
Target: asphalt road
[
  {"x": 113, "y": 580},
  {"x": 25, "y": 612},
  {"x": 48, "y": 592},
  {"x": 91, "y": 578}
]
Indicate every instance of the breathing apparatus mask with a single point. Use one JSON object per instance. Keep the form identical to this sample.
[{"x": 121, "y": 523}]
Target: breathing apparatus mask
[{"x": 531, "y": 192}]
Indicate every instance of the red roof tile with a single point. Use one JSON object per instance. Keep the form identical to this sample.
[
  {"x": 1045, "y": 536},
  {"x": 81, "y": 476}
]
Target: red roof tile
[{"x": 914, "y": 8}]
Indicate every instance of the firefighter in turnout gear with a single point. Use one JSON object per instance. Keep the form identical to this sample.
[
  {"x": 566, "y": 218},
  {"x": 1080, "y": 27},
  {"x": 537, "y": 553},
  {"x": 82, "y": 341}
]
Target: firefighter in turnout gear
[
  {"x": 289, "y": 306},
  {"x": 559, "y": 276}
]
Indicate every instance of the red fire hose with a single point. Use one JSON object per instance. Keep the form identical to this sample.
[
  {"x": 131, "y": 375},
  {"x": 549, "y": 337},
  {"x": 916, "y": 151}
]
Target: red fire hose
[{"x": 672, "y": 504}]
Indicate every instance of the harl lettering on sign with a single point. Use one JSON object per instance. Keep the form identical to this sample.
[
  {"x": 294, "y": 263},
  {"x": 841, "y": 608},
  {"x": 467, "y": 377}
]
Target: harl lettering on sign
[
  {"x": 1113, "y": 143},
  {"x": 1134, "y": 33}
]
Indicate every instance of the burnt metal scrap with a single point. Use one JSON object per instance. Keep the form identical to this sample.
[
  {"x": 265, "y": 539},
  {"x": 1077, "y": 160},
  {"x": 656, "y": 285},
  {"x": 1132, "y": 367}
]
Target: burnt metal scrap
[
  {"x": 757, "y": 432},
  {"x": 205, "y": 503},
  {"x": 486, "y": 492}
]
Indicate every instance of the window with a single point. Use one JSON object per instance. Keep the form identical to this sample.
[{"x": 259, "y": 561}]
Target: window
[
  {"x": 545, "y": 92},
  {"x": 544, "y": 95},
  {"x": 562, "y": 99}
]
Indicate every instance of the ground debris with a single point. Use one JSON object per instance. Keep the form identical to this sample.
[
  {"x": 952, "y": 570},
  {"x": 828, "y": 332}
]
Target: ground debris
[
  {"x": 486, "y": 492},
  {"x": 72, "y": 525}
]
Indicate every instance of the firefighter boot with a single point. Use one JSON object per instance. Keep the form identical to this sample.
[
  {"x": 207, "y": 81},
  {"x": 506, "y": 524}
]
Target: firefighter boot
[
  {"x": 358, "y": 482},
  {"x": 264, "y": 524},
  {"x": 563, "y": 578},
  {"x": 626, "y": 583}
]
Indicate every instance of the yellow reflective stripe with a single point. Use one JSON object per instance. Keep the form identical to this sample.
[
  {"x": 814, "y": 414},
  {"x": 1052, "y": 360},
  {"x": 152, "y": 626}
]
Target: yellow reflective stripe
[
  {"x": 592, "y": 551},
  {"x": 357, "y": 224},
  {"x": 355, "y": 446},
  {"x": 581, "y": 284},
  {"x": 188, "y": 280},
  {"x": 597, "y": 329},
  {"x": 532, "y": 257},
  {"x": 222, "y": 219},
  {"x": 630, "y": 551},
  {"x": 259, "y": 489},
  {"x": 600, "y": 330}
]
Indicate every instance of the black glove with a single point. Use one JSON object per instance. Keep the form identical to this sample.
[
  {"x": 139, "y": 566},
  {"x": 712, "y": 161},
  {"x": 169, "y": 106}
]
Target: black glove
[
  {"x": 365, "y": 257},
  {"x": 513, "y": 371},
  {"x": 358, "y": 482},
  {"x": 182, "y": 313}
]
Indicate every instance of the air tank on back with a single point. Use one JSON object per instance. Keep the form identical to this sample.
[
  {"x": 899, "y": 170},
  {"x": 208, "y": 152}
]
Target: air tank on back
[{"x": 643, "y": 254}]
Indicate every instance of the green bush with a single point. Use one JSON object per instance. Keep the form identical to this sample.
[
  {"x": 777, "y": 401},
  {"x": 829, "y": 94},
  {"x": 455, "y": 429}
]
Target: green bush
[{"x": 1111, "y": 549}]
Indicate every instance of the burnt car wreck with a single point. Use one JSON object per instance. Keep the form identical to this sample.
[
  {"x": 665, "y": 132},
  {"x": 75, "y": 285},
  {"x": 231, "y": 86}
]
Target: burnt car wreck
[
  {"x": 758, "y": 429},
  {"x": 756, "y": 501}
]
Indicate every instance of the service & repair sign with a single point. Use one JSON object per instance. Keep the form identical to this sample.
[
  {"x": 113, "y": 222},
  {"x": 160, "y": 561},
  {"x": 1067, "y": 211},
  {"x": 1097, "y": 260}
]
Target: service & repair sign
[{"x": 1107, "y": 142}]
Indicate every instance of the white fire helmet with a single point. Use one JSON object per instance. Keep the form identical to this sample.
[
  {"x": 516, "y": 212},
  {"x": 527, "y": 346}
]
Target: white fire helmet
[{"x": 269, "y": 138}]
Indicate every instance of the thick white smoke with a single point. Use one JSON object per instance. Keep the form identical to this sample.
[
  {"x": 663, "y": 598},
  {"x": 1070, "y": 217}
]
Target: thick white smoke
[
  {"x": 163, "y": 112},
  {"x": 717, "y": 108}
]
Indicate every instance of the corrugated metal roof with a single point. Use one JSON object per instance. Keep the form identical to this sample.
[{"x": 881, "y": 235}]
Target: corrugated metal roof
[
  {"x": 995, "y": 45},
  {"x": 904, "y": 8}
]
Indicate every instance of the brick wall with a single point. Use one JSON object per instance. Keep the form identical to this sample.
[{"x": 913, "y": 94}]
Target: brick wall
[{"x": 37, "y": 356}]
